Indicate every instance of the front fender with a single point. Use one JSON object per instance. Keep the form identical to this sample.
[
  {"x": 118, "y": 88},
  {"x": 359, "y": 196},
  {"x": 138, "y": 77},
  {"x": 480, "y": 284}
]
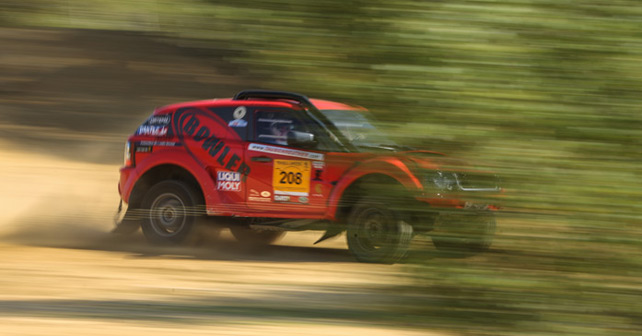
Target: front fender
[{"x": 388, "y": 166}]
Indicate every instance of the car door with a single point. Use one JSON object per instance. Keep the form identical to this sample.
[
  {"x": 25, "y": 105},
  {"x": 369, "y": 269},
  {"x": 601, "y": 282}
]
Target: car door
[{"x": 285, "y": 180}]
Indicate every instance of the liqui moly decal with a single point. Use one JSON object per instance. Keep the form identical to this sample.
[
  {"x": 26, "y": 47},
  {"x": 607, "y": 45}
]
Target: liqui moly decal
[{"x": 228, "y": 181}]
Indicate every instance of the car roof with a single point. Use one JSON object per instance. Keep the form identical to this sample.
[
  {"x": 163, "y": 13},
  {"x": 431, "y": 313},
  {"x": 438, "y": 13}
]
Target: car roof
[
  {"x": 330, "y": 105},
  {"x": 221, "y": 102}
]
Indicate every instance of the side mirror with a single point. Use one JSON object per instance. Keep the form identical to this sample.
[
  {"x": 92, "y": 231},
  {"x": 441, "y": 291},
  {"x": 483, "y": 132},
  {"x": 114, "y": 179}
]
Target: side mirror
[{"x": 301, "y": 139}]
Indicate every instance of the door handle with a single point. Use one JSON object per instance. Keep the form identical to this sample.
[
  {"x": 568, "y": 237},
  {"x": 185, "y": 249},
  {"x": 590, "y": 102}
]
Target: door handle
[{"x": 261, "y": 159}]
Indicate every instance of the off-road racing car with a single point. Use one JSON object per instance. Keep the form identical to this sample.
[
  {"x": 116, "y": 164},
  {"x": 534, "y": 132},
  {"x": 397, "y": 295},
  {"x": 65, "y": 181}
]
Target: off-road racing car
[{"x": 267, "y": 162}]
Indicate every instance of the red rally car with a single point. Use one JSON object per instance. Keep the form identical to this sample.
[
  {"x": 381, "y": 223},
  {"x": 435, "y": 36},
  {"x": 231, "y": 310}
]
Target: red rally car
[{"x": 266, "y": 162}]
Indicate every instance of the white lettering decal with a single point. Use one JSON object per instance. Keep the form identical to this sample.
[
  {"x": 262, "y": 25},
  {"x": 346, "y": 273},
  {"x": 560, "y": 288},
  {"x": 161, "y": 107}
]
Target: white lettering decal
[
  {"x": 228, "y": 186},
  {"x": 291, "y": 193},
  {"x": 280, "y": 198},
  {"x": 285, "y": 151},
  {"x": 159, "y": 120},
  {"x": 259, "y": 199},
  {"x": 228, "y": 181},
  {"x": 152, "y": 130}
]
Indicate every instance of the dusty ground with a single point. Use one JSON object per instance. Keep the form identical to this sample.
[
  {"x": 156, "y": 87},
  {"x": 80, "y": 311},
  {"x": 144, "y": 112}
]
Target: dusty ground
[{"x": 64, "y": 274}]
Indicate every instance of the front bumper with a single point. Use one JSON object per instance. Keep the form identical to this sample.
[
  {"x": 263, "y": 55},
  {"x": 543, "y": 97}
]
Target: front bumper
[{"x": 124, "y": 221}]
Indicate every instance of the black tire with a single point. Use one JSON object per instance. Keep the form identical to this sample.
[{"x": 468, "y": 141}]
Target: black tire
[
  {"x": 377, "y": 233},
  {"x": 472, "y": 233},
  {"x": 172, "y": 211},
  {"x": 247, "y": 235}
]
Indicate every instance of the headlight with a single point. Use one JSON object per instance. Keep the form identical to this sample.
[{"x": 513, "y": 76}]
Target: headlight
[
  {"x": 128, "y": 154},
  {"x": 443, "y": 181}
]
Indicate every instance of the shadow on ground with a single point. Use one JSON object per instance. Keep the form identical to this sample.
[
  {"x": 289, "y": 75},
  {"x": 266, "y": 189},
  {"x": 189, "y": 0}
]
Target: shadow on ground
[{"x": 210, "y": 246}]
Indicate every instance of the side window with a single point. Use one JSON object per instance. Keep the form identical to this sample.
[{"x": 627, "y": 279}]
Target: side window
[
  {"x": 235, "y": 117},
  {"x": 272, "y": 127}
]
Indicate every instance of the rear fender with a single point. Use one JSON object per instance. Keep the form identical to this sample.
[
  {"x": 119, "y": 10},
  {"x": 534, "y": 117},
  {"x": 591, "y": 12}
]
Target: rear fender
[{"x": 178, "y": 158}]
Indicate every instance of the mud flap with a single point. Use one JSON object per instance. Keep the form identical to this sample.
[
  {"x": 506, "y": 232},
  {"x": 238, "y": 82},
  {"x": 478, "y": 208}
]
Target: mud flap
[
  {"x": 333, "y": 231},
  {"x": 124, "y": 221}
]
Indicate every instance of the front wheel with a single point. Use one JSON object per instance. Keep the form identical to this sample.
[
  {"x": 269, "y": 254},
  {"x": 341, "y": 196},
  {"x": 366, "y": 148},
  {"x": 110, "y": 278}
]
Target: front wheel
[
  {"x": 376, "y": 233},
  {"x": 173, "y": 209}
]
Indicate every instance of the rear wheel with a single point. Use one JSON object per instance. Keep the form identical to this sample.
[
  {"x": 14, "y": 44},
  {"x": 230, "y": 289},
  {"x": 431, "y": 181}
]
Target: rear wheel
[
  {"x": 247, "y": 235},
  {"x": 173, "y": 209},
  {"x": 376, "y": 233}
]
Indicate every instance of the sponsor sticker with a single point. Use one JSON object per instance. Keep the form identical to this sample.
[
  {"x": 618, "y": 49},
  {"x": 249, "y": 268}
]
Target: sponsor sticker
[
  {"x": 152, "y": 130},
  {"x": 258, "y": 199},
  {"x": 237, "y": 123},
  {"x": 285, "y": 151},
  {"x": 162, "y": 120},
  {"x": 318, "y": 164},
  {"x": 281, "y": 198},
  {"x": 143, "y": 149},
  {"x": 303, "y": 199},
  {"x": 475, "y": 206},
  {"x": 318, "y": 188},
  {"x": 159, "y": 143},
  {"x": 291, "y": 177},
  {"x": 239, "y": 112},
  {"x": 228, "y": 181},
  {"x": 265, "y": 194}
]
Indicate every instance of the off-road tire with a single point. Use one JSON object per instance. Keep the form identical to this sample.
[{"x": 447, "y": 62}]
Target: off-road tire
[
  {"x": 377, "y": 233},
  {"x": 172, "y": 211}
]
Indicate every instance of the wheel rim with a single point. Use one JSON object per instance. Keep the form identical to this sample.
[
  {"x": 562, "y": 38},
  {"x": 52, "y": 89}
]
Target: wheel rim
[
  {"x": 373, "y": 232},
  {"x": 168, "y": 215}
]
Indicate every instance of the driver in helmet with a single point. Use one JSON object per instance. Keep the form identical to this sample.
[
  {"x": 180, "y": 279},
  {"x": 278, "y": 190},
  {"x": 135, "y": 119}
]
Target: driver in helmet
[{"x": 280, "y": 129}]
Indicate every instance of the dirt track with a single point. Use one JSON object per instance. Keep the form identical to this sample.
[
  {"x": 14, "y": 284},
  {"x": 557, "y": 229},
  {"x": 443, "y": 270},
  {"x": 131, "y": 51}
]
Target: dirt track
[{"x": 64, "y": 274}]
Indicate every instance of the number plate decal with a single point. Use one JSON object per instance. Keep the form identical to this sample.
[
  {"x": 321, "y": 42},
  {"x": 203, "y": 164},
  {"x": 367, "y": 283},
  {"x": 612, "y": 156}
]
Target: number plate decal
[{"x": 291, "y": 177}]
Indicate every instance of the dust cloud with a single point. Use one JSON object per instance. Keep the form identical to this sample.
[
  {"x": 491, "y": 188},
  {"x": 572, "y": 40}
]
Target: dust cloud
[{"x": 53, "y": 201}]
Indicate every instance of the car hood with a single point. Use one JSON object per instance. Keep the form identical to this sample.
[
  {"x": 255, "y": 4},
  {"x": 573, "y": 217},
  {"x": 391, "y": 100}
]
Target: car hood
[
  {"x": 468, "y": 177},
  {"x": 434, "y": 160}
]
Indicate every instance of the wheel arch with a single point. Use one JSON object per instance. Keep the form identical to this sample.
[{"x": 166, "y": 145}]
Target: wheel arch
[
  {"x": 159, "y": 173},
  {"x": 365, "y": 185},
  {"x": 175, "y": 165}
]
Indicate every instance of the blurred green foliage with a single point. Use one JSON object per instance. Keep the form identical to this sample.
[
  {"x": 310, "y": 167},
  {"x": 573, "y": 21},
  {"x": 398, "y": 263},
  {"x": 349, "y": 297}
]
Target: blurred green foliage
[{"x": 546, "y": 93}]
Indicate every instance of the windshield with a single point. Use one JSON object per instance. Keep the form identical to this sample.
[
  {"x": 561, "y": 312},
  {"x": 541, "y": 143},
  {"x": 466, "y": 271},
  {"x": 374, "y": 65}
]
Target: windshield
[{"x": 357, "y": 128}]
